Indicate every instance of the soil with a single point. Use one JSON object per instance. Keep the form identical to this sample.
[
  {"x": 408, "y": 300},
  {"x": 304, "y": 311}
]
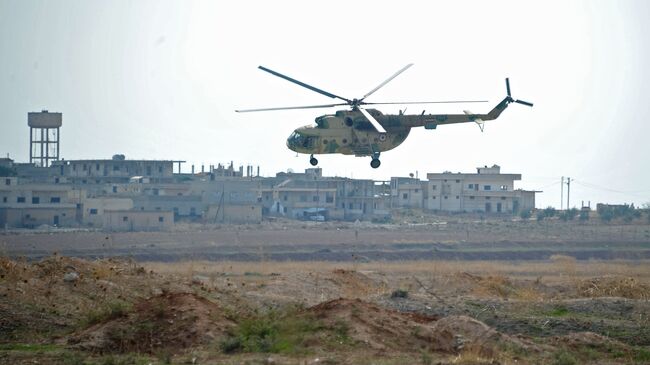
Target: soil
[
  {"x": 59, "y": 309},
  {"x": 170, "y": 321}
]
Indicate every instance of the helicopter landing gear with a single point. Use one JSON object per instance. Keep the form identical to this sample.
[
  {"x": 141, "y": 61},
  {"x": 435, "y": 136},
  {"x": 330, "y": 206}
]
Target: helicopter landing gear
[
  {"x": 375, "y": 160},
  {"x": 313, "y": 161}
]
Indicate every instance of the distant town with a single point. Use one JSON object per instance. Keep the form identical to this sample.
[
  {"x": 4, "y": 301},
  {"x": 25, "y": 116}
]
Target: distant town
[{"x": 122, "y": 194}]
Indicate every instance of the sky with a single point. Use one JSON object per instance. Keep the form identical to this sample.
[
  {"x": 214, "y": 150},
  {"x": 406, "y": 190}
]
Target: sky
[{"x": 162, "y": 79}]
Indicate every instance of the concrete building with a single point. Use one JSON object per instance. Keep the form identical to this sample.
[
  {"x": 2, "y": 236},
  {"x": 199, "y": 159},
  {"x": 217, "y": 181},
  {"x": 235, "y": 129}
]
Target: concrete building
[
  {"x": 303, "y": 195},
  {"x": 406, "y": 192},
  {"x": 30, "y": 205},
  {"x": 486, "y": 191},
  {"x": 134, "y": 220},
  {"x": 115, "y": 170},
  {"x": 95, "y": 208}
]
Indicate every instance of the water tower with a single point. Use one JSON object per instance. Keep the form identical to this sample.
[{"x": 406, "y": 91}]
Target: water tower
[{"x": 43, "y": 137}]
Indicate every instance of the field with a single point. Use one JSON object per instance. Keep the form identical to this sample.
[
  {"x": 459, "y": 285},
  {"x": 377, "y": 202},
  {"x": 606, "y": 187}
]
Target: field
[{"x": 422, "y": 292}]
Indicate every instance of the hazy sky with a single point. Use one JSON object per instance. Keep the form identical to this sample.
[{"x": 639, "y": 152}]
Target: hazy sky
[{"x": 161, "y": 80}]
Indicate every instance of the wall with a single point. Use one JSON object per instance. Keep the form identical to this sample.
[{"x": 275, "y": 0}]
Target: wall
[{"x": 131, "y": 220}]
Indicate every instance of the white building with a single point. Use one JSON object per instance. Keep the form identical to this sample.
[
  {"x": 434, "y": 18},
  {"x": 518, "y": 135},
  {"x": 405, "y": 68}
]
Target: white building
[{"x": 488, "y": 190}]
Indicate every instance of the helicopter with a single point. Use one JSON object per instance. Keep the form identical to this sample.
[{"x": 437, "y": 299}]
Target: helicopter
[{"x": 368, "y": 132}]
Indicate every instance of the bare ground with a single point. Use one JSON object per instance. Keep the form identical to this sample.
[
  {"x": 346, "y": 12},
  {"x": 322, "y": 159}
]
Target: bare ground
[{"x": 550, "y": 309}]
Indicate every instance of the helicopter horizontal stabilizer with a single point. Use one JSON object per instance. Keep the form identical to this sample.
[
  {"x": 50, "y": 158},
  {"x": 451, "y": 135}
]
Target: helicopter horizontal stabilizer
[{"x": 474, "y": 118}]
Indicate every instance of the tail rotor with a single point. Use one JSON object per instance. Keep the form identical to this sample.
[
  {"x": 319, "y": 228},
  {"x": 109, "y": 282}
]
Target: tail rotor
[{"x": 510, "y": 98}]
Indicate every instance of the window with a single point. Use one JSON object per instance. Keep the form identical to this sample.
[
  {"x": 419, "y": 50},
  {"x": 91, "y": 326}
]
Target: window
[
  {"x": 405, "y": 196},
  {"x": 434, "y": 187},
  {"x": 329, "y": 198},
  {"x": 97, "y": 167},
  {"x": 36, "y": 200},
  {"x": 161, "y": 219},
  {"x": 55, "y": 199},
  {"x": 470, "y": 186},
  {"x": 350, "y": 206},
  {"x": 504, "y": 187},
  {"x": 457, "y": 197},
  {"x": 157, "y": 208},
  {"x": 56, "y": 180},
  {"x": 20, "y": 199},
  {"x": 286, "y": 197},
  {"x": 471, "y": 197},
  {"x": 315, "y": 198},
  {"x": 487, "y": 198},
  {"x": 115, "y": 189},
  {"x": 446, "y": 197},
  {"x": 116, "y": 168},
  {"x": 7, "y": 181},
  {"x": 457, "y": 181},
  {"x": 93, "y": 211},
  {"x": 487, "y": 187},
  {"x": 417, "y": 191},
  {"x": 343, "y": 205},
  {"x": 503, "y": 198},
  {"x": 160, "y": 170},
  {"x": 84, "y": 167},
  {"x": 433, "y": 197},
  {"x": 125, "y": 219},
  {"x": 4, "y": 199}
]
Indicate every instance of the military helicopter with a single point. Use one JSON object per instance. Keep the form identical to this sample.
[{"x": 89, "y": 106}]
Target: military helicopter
[{"x": 368, "y": 132}]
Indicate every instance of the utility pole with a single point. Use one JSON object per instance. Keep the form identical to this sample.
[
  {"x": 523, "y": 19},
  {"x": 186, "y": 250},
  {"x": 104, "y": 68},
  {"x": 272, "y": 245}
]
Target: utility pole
[
  {"x": 562, "y": 193},
  {"x": 568, "y": 191}
]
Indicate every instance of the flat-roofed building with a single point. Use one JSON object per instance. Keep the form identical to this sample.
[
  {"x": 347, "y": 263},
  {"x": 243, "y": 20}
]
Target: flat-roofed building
[
  {"x": 486, "y": 191},
  {"x": 135, "y": 220},
  {"x": 31, "y": 205}
]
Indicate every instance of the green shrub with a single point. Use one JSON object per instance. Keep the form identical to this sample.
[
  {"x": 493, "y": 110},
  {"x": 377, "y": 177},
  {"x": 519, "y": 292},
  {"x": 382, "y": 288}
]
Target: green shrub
[
  {"x": 525, "y": 214},
  {"x": 399, "y": 293},
  {"x": 564, "y": 358}
]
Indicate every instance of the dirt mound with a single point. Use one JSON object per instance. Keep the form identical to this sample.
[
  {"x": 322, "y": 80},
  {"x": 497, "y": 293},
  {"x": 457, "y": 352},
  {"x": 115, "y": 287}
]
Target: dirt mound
[
  {"x": 614, "y": 286},
  {"x": 167, "y": 321},
  {"x": 379, "y": 328},
  {"x": 353, "y": 283},
  {"x": 384, "y": 329}
]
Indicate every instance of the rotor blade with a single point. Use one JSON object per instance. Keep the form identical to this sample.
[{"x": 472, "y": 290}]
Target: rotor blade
[
  {"x": 372, "y": 121},
  {"x": 290, "y": 107},
  {"x": 524, "y": 102},
  {"x": 427, "y": 102},
  {"x": 312, "y": 88},
  {"x": 508, "y": 86},
  {"x": 387, "y": 81}
]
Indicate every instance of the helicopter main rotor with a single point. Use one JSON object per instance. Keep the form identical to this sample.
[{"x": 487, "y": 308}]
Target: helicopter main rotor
[{"x": 355, "y": 104}]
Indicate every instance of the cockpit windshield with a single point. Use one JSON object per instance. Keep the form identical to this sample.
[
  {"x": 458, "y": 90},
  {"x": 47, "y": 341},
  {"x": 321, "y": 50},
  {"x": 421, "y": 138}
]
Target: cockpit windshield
[{"x": 297, "y": 139}]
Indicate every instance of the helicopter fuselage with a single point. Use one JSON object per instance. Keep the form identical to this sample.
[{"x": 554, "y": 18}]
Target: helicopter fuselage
[{"x": 348, "y": 132}]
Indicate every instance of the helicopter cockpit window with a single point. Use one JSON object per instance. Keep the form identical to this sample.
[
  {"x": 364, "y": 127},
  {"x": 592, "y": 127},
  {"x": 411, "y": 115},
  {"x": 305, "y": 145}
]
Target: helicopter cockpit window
[{"x": 298, "y": 139}]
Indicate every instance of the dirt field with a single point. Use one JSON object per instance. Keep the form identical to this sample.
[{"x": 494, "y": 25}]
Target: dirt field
[{"x": 429, "y": 295}]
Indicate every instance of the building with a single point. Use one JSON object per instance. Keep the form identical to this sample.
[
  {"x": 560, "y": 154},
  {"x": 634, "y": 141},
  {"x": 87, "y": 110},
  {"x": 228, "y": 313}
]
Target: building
[
  {"x": 30, "y": 205},
  {"x": 486, "y": 191},
  {"x": 134, "y": 220},
  {"x": 406, "y": 192},
  {"x": 115, "y": 170},
  {"x": 310, "y": 195}
]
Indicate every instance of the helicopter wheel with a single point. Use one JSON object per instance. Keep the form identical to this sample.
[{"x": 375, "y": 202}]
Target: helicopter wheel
[
  {"x": 313, "y": 161},
  {"x": 375, "y": 163}
]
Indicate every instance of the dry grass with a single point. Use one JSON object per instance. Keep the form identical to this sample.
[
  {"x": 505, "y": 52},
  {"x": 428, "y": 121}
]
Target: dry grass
[{"x": 557, "y": 270}]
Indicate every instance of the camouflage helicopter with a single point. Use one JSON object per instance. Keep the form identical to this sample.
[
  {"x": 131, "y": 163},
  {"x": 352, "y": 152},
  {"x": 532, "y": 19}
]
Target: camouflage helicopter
[{"x": 368, "y": 132}]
